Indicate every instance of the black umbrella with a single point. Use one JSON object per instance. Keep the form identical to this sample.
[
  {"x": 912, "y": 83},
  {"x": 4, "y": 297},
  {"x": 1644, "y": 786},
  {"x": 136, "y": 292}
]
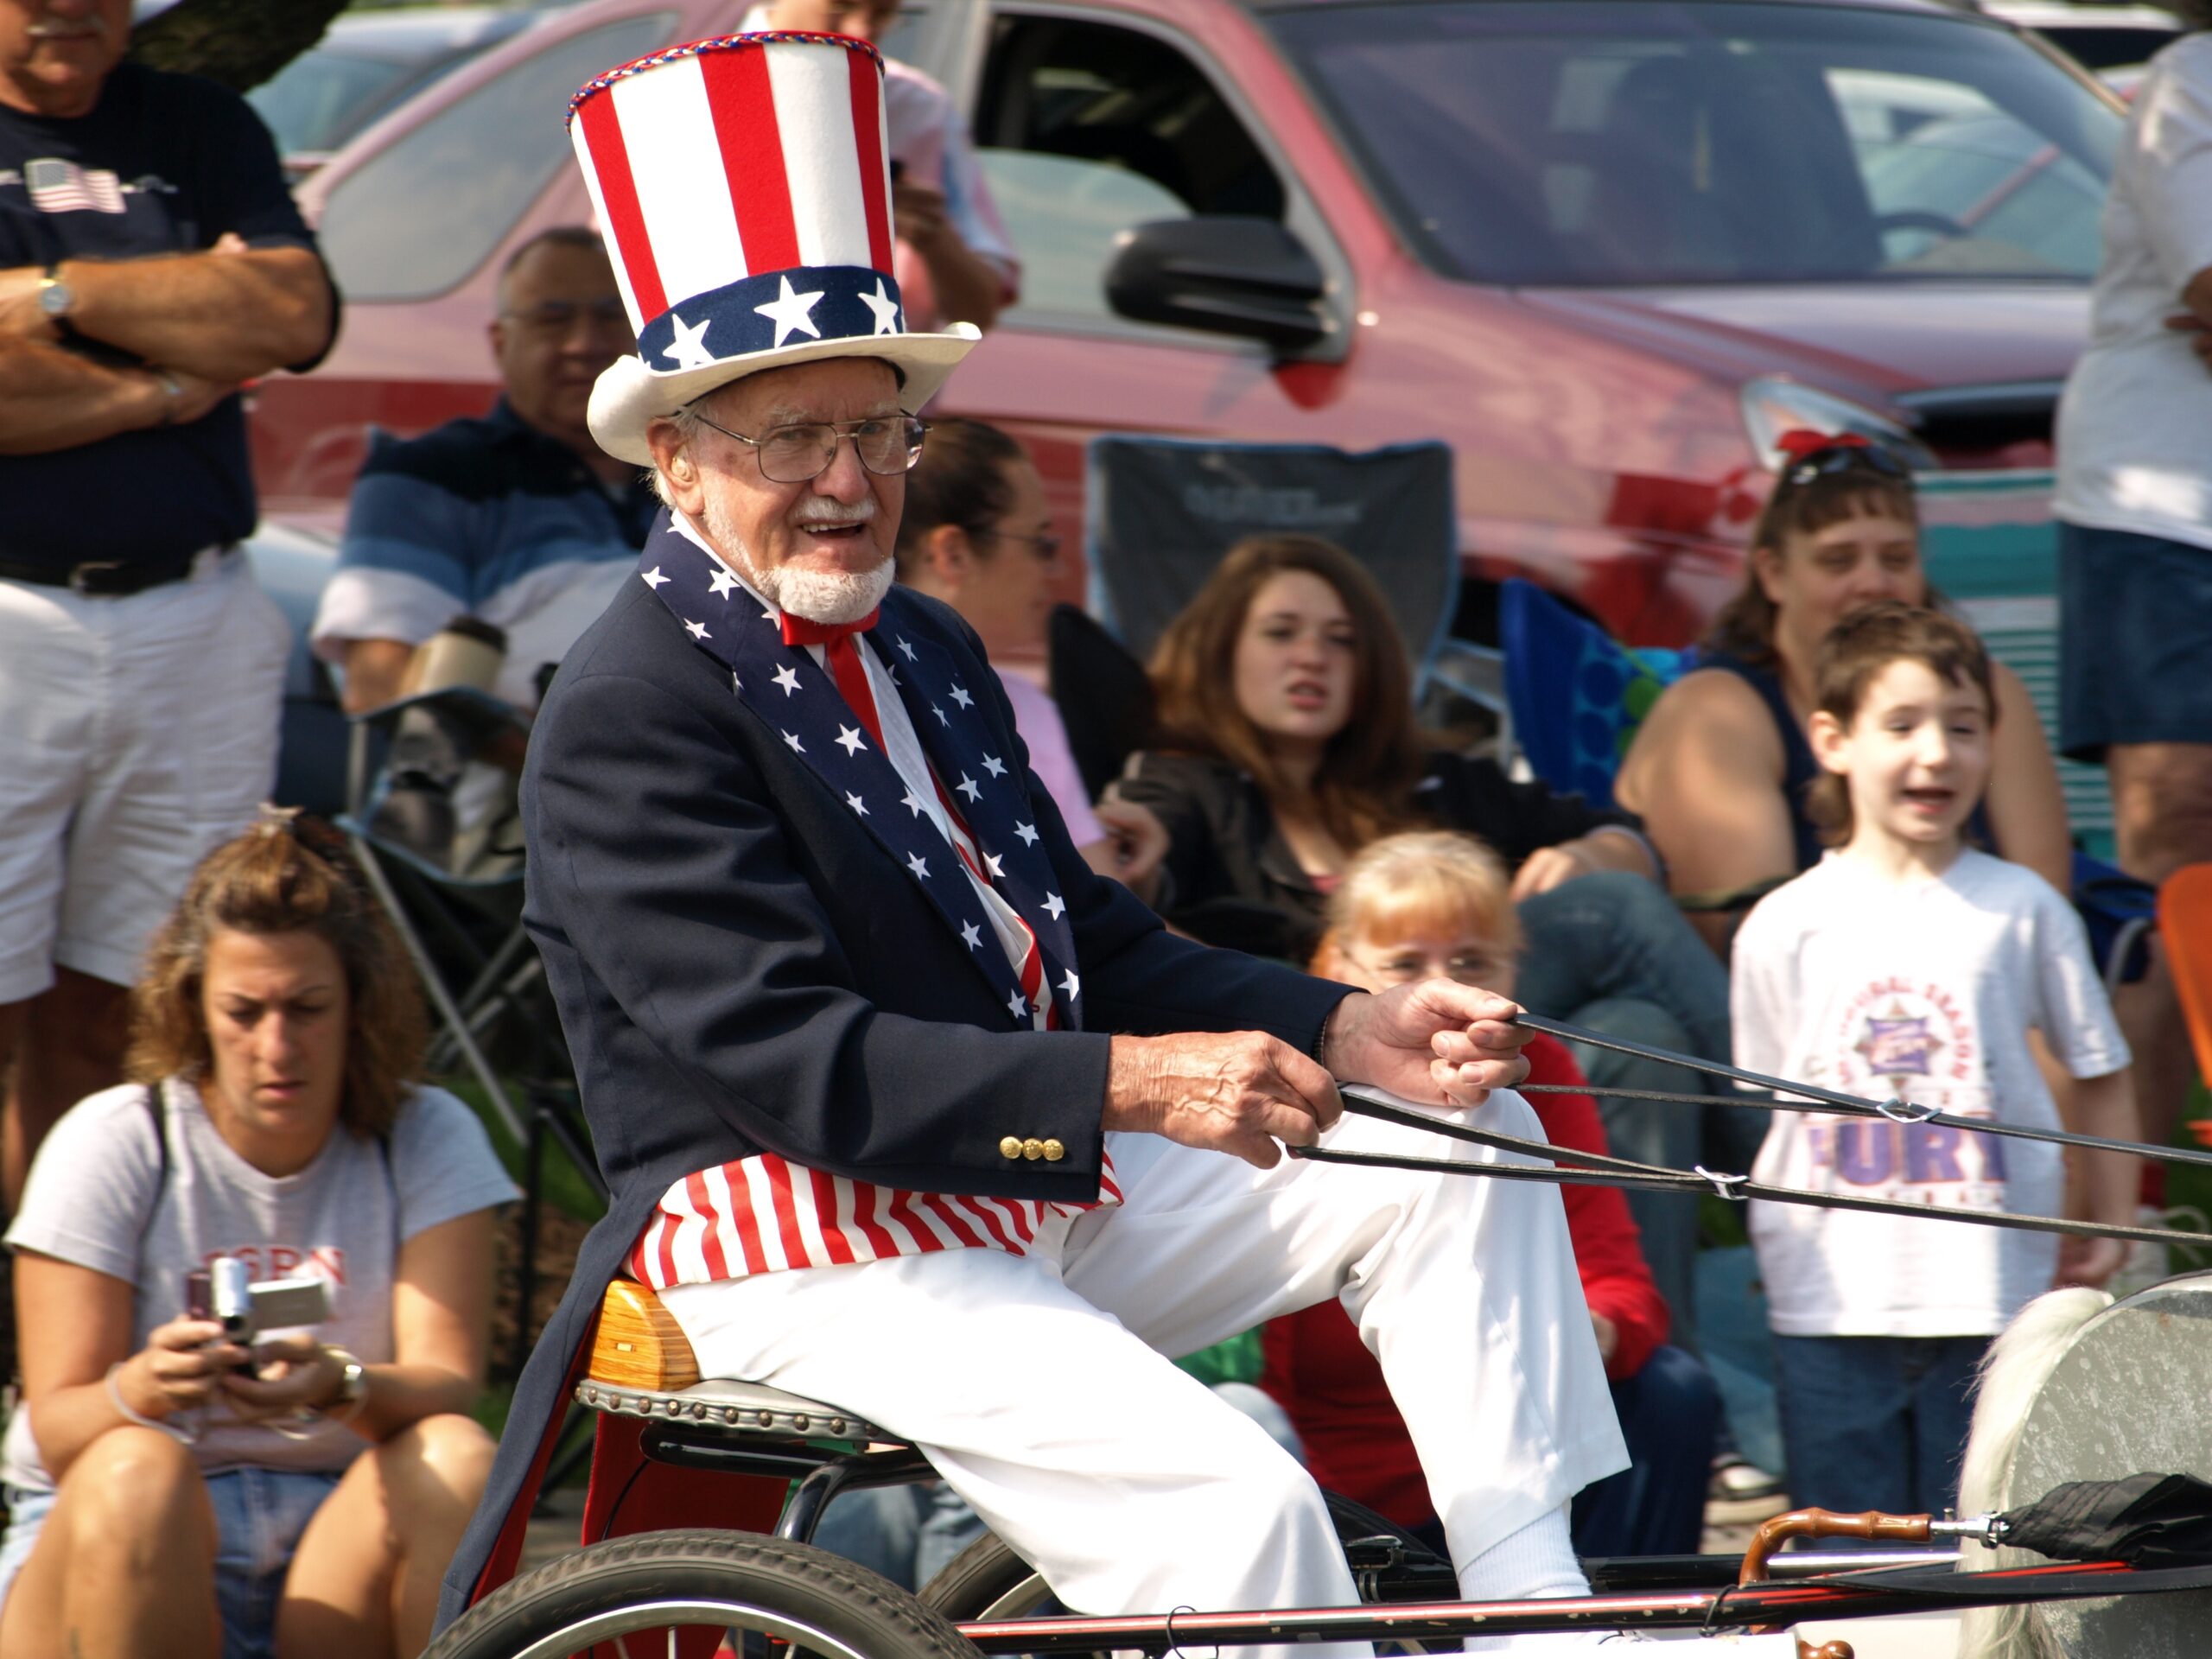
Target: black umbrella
[{"x": 2147, "y": 1521}]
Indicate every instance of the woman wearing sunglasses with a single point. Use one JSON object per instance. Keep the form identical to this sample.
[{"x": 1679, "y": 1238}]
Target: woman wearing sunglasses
[
  {"x": 977, "y": 533},
  {"x": 1719, "y": 769}
]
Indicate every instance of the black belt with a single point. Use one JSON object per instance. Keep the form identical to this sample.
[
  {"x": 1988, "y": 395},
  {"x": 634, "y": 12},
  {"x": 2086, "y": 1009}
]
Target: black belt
[{"x": 104, "y": 578}]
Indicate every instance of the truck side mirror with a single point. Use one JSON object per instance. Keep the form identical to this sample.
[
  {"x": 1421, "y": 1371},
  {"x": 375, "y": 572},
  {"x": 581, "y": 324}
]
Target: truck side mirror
[{"x": 1250, "y": 277}]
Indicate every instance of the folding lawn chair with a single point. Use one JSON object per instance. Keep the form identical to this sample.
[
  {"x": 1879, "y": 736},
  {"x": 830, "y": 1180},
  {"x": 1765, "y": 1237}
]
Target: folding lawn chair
[{"x": 433, "y": 830}]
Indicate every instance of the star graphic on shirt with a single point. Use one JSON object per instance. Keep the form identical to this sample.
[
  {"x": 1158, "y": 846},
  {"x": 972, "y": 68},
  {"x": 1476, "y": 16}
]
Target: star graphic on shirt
[
  {"x": 735, "y": 685},
  {"x": 939, "y": 713},
  {"x": 969, "y": 787},
  {"x": 907, "y": 650},
  {"x": 1053, "y": 905},
  {"x": 960, "y": 695},
  {"x": 1072, "y": 985},
  {"x": 723, "y": 583},
  {"x": 791, "y": 738},
  {"x": 652, "y": 578},
  {"x": 912, "y": 805},
  {"x": 995, "y": 865},
  {"x": 790, "y": 311},
  {"x": 787, "y": 677},
  {"x": 698, "y": 630},
  {"x": 1016, "y": 1007},
  {"x": 918, "y": 865},
  {"x": 849, "y": 739},
  {"x": 1027, "y": 832},
  {"x": 995, "y": 766},
  {"x": 970, "y": 935},
  {"x": 885, "y": 308},
  {"x": 854, "y": 801},
  {"x": 690, "y": 351}
]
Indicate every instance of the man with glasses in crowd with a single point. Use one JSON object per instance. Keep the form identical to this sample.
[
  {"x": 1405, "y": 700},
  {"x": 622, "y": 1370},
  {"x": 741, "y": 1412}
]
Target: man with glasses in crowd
[{"x": 515, "y": 517}]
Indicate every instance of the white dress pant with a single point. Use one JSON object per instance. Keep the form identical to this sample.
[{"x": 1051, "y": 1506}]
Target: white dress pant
[{"x": 1036, "y": 1385}]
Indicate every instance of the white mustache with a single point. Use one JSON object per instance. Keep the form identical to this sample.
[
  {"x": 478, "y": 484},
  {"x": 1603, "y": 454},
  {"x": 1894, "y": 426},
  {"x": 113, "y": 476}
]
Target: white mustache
[{"x": 861, "y": 512}]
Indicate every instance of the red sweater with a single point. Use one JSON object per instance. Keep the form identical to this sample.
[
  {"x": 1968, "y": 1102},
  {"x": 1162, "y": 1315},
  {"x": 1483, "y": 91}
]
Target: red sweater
[{"x": 1324, "y": 1376}]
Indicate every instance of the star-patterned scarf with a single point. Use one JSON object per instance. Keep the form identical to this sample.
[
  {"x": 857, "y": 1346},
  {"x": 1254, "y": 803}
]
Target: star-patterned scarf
[{"x": 830, "y": 722}]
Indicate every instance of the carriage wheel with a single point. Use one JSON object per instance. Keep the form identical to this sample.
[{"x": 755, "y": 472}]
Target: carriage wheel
[
  {"x": 685, "y": 1594},
  {"x": 989, "y": 1581}
]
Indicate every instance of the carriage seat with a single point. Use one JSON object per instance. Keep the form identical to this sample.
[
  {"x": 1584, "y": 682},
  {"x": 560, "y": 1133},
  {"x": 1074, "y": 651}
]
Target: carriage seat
[{"x": 642, "y": 1366}]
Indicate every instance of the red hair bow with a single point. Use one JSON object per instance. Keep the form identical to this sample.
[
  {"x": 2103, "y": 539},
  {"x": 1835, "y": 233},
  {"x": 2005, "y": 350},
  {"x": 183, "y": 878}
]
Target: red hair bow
[{"x": 1802, "y": 440}]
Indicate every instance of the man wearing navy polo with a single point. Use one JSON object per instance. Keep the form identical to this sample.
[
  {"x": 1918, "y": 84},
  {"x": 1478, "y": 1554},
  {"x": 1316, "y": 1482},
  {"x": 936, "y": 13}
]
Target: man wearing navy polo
[
  {"x": 151, "y": 262},
  {"x": 516, "y": 517}
]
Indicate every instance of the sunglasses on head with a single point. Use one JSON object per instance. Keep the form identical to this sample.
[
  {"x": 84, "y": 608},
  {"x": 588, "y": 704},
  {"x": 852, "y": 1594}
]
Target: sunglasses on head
[{"x": 1816, "y": 454}]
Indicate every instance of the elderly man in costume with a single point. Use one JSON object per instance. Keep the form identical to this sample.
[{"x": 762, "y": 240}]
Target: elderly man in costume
[{"x": 904, "y": 1108}]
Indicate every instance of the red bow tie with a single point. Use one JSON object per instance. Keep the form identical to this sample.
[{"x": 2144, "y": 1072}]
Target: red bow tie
[{"x": 799, "y": 631}]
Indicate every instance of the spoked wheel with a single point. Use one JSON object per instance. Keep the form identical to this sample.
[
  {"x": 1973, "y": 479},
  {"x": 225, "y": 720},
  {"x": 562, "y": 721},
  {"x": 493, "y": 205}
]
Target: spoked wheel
[
  {"x": 989, "y": 1581},
  {"x": 691, "y": 1594}
]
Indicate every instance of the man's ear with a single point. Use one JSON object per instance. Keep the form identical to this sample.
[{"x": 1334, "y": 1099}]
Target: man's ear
[
  {"x": 1831, "y": 742},
  {"x": 679, "y": 472}
]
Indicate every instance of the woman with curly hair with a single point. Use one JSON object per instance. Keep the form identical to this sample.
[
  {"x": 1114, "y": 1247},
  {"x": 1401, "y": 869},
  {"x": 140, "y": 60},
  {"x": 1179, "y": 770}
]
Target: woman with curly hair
[{"x": 171, "y": 1490}]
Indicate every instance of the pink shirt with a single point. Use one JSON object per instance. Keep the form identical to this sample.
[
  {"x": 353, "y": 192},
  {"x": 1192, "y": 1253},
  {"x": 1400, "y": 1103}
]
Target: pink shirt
[{"x": 1039, "y": 724}]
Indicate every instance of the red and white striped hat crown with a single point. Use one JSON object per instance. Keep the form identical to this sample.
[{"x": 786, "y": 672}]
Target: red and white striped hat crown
[{"x": 743, "y": 186}]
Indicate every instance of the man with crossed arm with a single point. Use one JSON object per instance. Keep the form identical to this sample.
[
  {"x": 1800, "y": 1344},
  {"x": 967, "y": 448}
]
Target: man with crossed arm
[{"x": 151, "y": 261}]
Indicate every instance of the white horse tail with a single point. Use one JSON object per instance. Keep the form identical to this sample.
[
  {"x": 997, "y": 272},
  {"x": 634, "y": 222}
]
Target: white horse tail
[{"x": 2013, "y": 1374}]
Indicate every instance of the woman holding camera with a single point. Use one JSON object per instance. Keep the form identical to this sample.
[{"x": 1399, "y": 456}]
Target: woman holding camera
[{"x": 172, "y": 1489}]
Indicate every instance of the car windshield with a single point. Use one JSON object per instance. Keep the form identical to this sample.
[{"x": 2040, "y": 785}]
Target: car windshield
[
  {"x": 1619, "y": 142},
  {"x": 330, "y": 92}
]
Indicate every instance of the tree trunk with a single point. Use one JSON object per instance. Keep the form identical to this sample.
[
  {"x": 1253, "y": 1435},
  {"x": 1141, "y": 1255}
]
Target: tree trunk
[{"x": 239, "y": 42}]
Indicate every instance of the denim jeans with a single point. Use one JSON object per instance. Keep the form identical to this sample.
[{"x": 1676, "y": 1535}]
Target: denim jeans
[
  {"x": 1610, "y": 952},
  {"x": 1876, "y": 1423},
  {"x": 260, "y": 1515},
  {"x": 1670, "y": 1413}
]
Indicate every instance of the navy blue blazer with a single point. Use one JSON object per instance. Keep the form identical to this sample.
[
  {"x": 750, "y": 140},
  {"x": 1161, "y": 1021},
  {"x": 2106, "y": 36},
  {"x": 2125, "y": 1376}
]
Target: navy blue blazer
[{"x": 741, "y": 965}]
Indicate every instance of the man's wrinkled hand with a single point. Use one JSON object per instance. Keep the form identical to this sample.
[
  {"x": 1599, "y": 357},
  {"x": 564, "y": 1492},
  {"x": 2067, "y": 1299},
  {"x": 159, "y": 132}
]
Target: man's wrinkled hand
[
  {"x": 1434, "y": 1041},
  {"x": 1239, "y": 1092}
]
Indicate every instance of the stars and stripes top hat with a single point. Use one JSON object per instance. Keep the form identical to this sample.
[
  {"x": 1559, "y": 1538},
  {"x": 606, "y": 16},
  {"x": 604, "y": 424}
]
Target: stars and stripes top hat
[{"x": 743, "y": 186}]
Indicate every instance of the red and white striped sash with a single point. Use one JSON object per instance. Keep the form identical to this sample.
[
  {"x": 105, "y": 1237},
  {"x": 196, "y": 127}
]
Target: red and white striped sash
[{"x": 763, "y": 1214}]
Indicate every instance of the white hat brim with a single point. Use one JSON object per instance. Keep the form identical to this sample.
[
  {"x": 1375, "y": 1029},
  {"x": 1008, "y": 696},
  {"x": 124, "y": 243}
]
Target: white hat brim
[{"x": 628, "y": 397}]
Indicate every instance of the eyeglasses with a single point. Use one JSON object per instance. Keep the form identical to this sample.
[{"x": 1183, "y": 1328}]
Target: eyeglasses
[
  {"x": 1045, "y": 544},
  {"x": 1468, "y": 967},
  {"x": 559, "y": 316},
  {"x": 793, "y": 455},
  {"x": 1845, "y": 458}
]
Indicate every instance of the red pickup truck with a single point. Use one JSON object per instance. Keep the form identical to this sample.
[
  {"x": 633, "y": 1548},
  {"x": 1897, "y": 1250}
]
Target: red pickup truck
[{"x": 1606, "y": 250}]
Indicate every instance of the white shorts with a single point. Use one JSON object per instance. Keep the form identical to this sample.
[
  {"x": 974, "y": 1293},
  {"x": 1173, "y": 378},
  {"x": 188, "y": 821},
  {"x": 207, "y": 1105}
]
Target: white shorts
[{"x": 136, "y": 734}]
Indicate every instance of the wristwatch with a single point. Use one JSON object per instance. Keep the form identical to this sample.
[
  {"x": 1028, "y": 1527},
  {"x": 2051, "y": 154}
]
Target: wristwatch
[{"x": 55, "y": 297}]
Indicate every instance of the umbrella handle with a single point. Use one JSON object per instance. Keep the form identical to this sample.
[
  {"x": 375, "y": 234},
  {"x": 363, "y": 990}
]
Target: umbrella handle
[{"x": 1825, "y": 1523}]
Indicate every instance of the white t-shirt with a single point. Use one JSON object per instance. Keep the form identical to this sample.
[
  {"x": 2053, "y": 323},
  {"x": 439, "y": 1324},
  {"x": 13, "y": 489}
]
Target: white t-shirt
[
  {"x": 98, "y": 1197},
  {"x": 2131, "y": 449},
  {"x": 1926, "y": 990}
]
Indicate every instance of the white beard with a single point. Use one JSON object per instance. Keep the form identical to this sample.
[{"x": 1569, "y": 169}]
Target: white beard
[{"x": 831, "y": 596}]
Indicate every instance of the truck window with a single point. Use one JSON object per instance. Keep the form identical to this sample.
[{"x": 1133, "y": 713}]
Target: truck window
[
  {"x": 1085, "y": 128},
  {"x": 424, "y": 212}
]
